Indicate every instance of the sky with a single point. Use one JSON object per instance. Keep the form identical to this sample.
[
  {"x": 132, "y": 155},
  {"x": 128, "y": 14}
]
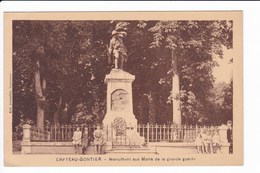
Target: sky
[{"x": 223, "y": 73}]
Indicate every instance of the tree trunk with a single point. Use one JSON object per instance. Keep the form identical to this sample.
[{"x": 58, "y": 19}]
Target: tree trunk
[
  {"x": 143, "y": 108},
  {"x": 56, "y": 114},
  {"x": 175, "y": 91},
  {"x": 152, "y": 109},
  {"x": 40, "y": 97}
]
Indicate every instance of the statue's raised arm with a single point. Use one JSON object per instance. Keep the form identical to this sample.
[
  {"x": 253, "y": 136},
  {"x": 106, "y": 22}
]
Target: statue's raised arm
[{"x": 117, "y": 50}]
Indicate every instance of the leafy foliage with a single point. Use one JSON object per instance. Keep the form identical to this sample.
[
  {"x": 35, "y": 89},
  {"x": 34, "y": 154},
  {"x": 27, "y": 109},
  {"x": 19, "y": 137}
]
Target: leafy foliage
[
  {"x": 73, "y": 57},
  {"x": 195, "y": 44}
]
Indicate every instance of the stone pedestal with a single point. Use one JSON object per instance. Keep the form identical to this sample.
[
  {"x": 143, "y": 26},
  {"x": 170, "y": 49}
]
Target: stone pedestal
[
  {"x": 119, "y": 97},
  {"x": 26, "y": 143},
  {"x": 119, "y": 110},
  {"x": 223, "y": 133}
]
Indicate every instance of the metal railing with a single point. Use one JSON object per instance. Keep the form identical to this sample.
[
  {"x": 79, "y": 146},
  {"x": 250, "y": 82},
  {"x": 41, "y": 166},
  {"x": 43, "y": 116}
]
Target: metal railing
[
  {"x": 151, "y": 133},
  {"x": 65, "y": 132},
  {"x": 171, "y": 133},
  {"x": 37, "y": 134}
]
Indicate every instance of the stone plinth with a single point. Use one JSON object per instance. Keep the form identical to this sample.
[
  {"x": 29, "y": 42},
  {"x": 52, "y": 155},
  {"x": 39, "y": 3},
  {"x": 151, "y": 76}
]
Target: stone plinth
[
  {"x": 119, "y": 112},
  {"x": 56, "y": 148},
  {"x": 26, "y": 139},
  {"x": 223, "y": 134},
  {"x": 119, "y": 97}
]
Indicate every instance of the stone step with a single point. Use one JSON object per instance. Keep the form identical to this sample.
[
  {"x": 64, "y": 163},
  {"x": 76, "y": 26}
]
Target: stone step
[
  {"x": 126, "y": 147},
  {"x": 125, "y": 150}
]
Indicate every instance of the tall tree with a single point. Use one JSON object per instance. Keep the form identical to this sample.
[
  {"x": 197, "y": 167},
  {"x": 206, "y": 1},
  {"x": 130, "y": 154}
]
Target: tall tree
[
  {"x": 193, "y": 45},
  {"x": 59, "y": 68}
]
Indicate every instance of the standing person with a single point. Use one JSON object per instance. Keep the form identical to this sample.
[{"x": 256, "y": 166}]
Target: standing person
[
  {"x": 230, "y": 136},
  {"x": 204, "y": 141},
  {"x": 85, "y": 139},
  {"x": 208, "y": 142},
  {"x": 98, "y": 139},
  {"x": 199, "y": 143},
  {"x": 216, "y": 142},
  {"x": 77, "y": 140}
]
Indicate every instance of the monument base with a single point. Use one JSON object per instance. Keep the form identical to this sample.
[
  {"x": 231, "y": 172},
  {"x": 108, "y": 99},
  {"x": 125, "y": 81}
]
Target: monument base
[
  {"x": 122, "y": 132},
  {"x": 126, "y": 116},
  {"x": 120, "y": 121}
]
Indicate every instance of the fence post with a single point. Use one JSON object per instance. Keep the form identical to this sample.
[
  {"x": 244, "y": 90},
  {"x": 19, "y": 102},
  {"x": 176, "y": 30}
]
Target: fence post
[
  {"x": 139, "y": 129},
  {"x": 164, "y": 132},
  {"x": 191, "y": 134},
  {"x": 41, "y": 131},
  {"x": 160, "y": 134},
  {"x": 184, "y": 133},
  {"x": 62, "y": 132},
  {"x": 51, "y": 133},
  {"x": 55, "y": 133},
  {"x": 26, "y": 143},
  {"x": 109, "y": 137},
  {"x": 48, "y": 136},
  {"x": 172, "y": 133},
  {"x": 26, "y": 133},
  {"x": 143, "y": 130},
  {"x": 152, "y": 135},
  {"x": 179, "y": 132},
  {"x": 148, "y": 135},
  {"x": 107, "y": 133},
  {"x": 197, "y": 129},
  {"x": 156, "y": 133}
]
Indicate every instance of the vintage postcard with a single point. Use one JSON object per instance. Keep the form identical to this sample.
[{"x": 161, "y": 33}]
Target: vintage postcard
[{"x": 123, "y": 88}]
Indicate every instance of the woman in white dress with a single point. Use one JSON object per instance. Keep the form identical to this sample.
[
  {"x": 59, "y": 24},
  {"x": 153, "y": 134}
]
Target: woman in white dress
[{"x": 76, "y": 140}]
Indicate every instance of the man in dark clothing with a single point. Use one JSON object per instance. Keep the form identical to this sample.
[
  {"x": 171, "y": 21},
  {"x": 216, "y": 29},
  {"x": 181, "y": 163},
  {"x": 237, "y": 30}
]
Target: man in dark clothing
[{"x": 230, "y": 136}]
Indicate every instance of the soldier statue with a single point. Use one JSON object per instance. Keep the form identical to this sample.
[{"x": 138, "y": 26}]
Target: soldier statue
[{"x": 117, "y": 51}]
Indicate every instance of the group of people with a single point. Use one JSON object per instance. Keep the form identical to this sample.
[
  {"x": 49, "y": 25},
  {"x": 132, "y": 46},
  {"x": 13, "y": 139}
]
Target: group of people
[
  {"x": 208, "y": 141},
  {"x": 81, "y": 140}
]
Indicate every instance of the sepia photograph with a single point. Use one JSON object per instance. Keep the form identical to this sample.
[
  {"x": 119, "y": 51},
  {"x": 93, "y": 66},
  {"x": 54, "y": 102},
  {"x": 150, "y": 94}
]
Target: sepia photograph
[{"x": 104, "y": 89}]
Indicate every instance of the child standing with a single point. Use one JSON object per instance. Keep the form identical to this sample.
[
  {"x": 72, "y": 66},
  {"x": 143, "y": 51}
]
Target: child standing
[
  {"x": 98, "y": 139},
  {"x": 85, "y": 139},
  {"x": 208, "y": 142},
  {"x": 77, "y": 140},
  {"x": 204, "y": 141},
  {"x": 216, "y": 142},
  {"x": 198, "y": 142}
]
